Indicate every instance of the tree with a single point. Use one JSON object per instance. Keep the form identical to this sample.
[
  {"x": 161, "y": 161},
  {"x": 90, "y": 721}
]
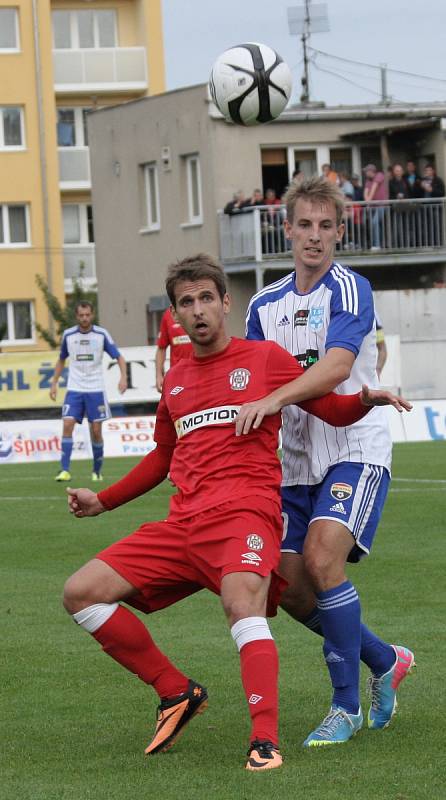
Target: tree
[{"x": 63, "y": 316}]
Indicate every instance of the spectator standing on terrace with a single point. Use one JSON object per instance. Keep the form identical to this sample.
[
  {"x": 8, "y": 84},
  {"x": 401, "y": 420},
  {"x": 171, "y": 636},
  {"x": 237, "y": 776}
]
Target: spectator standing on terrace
[
  {"x": 375, "y": 188},
  {"x": 329, "y": 173},
  {"x": 358, "y": 191},
  {"x": 401, "y": 223},
  {"x": 433, "y": 188},
  {"x": 256, "y": 199},
  {"x": 413, "y": 180},
  {"x": 237, "y": 204}
]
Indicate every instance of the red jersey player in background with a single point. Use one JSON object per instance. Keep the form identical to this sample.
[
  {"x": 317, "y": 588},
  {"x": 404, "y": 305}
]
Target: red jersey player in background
[
  {"x": 171, "y": 334},
  {"x": 224, "y": 526}
]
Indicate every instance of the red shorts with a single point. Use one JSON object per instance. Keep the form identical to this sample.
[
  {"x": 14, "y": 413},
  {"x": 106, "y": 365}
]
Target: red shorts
[{"x": 169, "y": 560}]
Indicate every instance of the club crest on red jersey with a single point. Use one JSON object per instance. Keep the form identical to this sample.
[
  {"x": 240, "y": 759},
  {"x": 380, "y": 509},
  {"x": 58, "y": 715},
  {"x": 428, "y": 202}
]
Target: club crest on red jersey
[{"x": 239, "y": 379}]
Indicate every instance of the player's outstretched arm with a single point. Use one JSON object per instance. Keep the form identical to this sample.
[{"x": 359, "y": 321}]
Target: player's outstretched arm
[
  {"x": 379, "y": 397},
  {"x": 333, "y": 408},
  {"x": 84, "y": 503}
]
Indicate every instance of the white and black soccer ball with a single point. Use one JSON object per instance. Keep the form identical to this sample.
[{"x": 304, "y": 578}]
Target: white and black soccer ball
[{"x": 250, "y": 83}]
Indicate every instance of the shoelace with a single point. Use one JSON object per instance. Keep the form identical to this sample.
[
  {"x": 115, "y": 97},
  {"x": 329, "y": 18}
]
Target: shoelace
[
  {"x": 264, "y": 749},
  {"x": 333, "y": 720},
  {"x": 373, "y": 690}
]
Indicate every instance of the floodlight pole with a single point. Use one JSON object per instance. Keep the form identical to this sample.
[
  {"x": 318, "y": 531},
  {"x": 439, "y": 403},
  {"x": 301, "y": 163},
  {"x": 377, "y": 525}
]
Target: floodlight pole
[{"x": 305, "y": 96}]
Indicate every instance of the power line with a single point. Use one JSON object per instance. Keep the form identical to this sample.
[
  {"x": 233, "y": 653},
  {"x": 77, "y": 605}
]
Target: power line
[
  {"x": 377, "y": 67},
  {"x": 347, "y": 80},
  {"x": 342, "y": 71}
]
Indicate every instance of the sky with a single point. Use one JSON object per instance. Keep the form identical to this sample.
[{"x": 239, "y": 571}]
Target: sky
[{"x": 407, "y": 35}]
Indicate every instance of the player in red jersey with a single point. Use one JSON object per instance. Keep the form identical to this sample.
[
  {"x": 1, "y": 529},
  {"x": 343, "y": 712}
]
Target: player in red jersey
[
  {"x": 171, "y": 334},
  {"x": 224, "y": 527}
]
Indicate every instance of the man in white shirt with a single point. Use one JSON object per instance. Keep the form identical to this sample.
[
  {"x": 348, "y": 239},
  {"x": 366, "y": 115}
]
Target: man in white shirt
[
  {"x": 84, "y": 344},
  {"x": 335, "y": 481}
]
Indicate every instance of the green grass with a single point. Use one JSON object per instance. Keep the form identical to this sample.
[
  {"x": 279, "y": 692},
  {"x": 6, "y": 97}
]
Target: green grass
[{"x": 74, "y": 724}]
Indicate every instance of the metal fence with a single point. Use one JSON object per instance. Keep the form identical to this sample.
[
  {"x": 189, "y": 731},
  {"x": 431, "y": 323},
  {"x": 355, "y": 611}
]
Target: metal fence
[{"x": 255, "y": 234}]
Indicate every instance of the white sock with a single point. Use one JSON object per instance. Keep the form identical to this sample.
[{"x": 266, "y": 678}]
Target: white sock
[
  {"x": 249, "y": 630},
  {"x": 92, "y": 617}
]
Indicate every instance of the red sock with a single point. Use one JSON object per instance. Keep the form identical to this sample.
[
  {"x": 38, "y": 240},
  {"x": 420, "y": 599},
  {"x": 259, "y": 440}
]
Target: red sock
[
  {"x": 127, "y": 640},
  {"x": 260, "y": 671}
]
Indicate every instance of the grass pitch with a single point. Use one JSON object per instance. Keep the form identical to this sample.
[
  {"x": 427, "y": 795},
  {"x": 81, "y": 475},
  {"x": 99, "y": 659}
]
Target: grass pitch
[{"x": 74, "y": 724}]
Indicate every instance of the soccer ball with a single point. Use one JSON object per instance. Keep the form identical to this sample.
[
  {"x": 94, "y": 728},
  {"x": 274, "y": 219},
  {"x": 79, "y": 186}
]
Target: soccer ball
[{"x": 250, "y": 83}]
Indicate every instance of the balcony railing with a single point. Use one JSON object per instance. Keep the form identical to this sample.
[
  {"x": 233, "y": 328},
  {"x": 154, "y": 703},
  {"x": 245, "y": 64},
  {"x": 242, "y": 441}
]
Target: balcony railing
[
  {"x": 113, "y": 69},
  {"x": 74, "y": 168},
  {"x": 376, "y": 228},
  {"x": 79, "y": 261}
]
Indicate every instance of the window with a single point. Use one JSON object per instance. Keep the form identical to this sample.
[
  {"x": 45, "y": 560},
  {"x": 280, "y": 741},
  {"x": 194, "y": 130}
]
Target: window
[
  {"x": 14, "y": 226},
  {"x": 72, "y": 127},
  {"x": 11, "y": 127},
  {"x": 77, "y": 223},
  {"x": 16, "y": 322},
  {"x": 84, "y": 28},
  {"x": 193, "y": 180},
  {"x": 9, "y": 33},
  {"x": 152, "y": 220}
]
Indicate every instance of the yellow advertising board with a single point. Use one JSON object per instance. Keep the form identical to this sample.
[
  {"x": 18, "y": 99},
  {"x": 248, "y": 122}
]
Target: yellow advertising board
[{"x": 25, "y": 380}]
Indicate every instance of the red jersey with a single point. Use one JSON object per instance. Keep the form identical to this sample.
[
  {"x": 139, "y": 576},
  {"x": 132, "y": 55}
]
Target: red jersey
[
  {"x": 173, "y": 335},
  {"x": 196, "y": 414}
]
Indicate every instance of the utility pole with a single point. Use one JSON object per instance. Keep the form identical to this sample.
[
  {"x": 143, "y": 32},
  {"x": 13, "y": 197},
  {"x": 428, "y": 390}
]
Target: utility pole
[
  {"x": 302, "y": 21},
  {"x": 305, "y": 96},
  {"x": 385, "y": 99}
]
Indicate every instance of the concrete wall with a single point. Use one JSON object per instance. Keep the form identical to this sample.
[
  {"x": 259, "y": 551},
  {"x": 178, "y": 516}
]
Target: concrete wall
[
  {"x": 419, "y": 317},
  {"x": 131, "y": 265}
]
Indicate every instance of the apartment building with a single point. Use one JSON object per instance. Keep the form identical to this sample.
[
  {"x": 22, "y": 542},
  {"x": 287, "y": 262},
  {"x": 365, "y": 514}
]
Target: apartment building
[{"x": 58, "y": 61}]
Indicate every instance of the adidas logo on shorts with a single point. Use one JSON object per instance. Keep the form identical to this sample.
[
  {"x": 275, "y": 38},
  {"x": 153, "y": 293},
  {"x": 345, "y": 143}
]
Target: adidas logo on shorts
[{"x": 338, "y": 508}]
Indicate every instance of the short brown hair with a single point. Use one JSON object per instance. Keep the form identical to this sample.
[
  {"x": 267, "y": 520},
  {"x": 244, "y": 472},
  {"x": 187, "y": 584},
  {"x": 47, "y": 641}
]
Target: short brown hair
[
  {"x": 195, "y": 268},
  {"x": 83, "y": 304},
  {"x": 315, "y": 190}
]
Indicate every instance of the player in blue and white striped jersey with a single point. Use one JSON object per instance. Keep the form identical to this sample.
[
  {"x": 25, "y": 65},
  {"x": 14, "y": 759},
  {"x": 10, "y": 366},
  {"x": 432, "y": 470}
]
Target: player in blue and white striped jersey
[
  {"x": 335, "y": 481},
  {"x": 84, "y": 344}
]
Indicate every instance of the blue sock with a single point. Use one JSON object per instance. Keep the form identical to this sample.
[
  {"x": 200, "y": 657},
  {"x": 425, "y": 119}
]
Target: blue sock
[
  {"x": 67, "y": 448},
  {"x": 375, "y": 653},
  {"x": 98, "y": 456},
  {"x": 340, "y": 619},
  {"x": 313, "y": 622}
]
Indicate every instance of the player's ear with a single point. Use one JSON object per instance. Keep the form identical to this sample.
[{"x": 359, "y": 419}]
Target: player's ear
[
  {"x": 173, "y": 312},
  {"x": 340, "y": 232},
  {"x": 287, "y": 227},
  {"x": 226, "y": 303}
]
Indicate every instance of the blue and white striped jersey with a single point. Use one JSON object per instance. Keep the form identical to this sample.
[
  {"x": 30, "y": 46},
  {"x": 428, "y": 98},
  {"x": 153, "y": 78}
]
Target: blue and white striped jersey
[
  {"x": 338, "y": 312},
  {"x": 85, "y": 351}
]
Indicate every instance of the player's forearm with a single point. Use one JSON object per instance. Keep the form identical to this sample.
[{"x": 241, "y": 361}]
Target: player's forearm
[
  {"x": 160, "y": 357},
  {"x": 58, "y": 369},
  {"x": 381, "y": 357},
  {"x": 318, "y": 380},
  {"x": 153, "y": 469},
  {"x": 123, "y": 368},
  {"x": 336, "y": 409}
]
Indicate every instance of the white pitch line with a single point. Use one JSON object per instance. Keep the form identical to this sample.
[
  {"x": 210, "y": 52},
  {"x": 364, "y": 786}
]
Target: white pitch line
[
  {"x": 419, "y": 480},
  {"x": 418, "y": 491}
]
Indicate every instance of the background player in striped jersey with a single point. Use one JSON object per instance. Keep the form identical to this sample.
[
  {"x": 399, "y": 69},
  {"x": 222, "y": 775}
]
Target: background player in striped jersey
[
  {"x": 84, "y": 344},
  {"x": 335, "y": 480},
  {"x": 224, "y": 526}
]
